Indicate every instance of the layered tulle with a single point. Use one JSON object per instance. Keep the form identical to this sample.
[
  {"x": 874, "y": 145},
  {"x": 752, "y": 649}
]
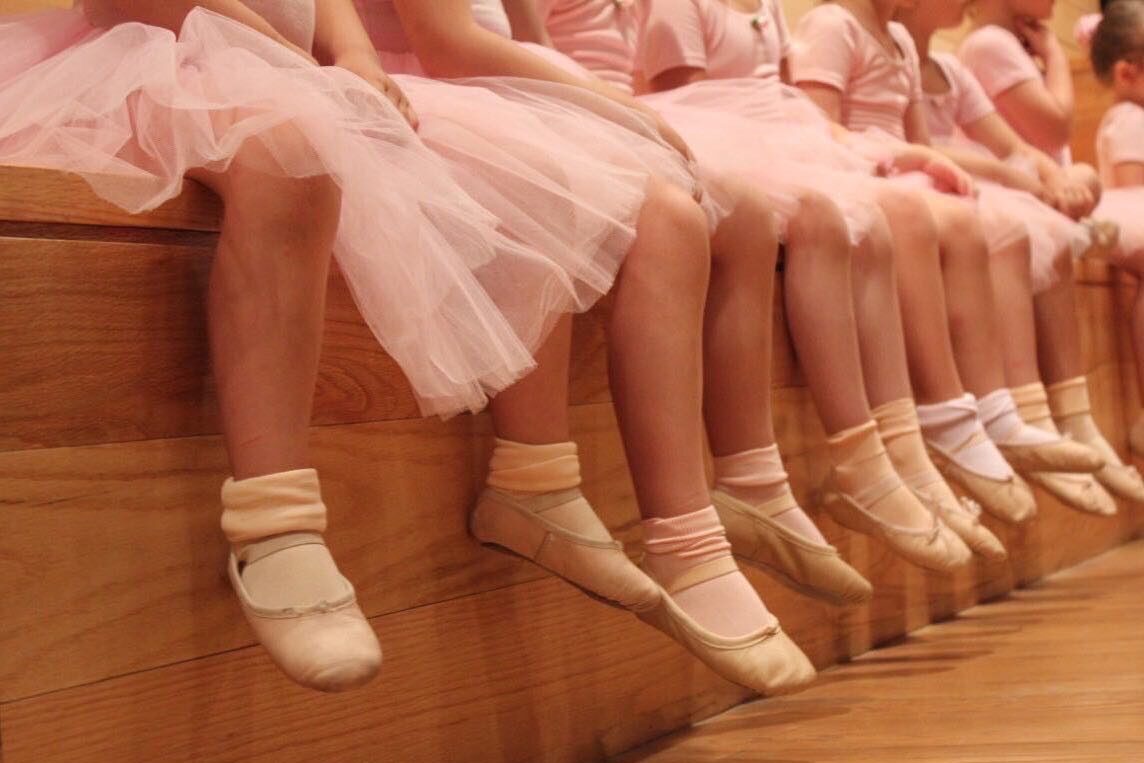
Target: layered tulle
[
  {"x": 563, "y": 168},
  {"x": 453, "y": 294},
  {"x": 762, "y": 131}
]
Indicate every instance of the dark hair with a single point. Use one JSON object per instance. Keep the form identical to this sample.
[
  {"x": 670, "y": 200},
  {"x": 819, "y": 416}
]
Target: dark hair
[{"x": 1119, "y": 36}]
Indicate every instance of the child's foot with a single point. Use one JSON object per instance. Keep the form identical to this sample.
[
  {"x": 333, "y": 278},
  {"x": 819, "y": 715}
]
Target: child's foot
[
  {"x": 1072, "y": 412},
  {"x": 1028, "y": 448},
  {"x": 304, "y": 613},
  {"x": 870, "y": 497},
  {"x": 767, "y": 528},
  {"x": 965, "y": 455},
  {"x": 710, "y": 608},
  {"x": 901, "y": 433},
  {"x": 533, "y": 507}
]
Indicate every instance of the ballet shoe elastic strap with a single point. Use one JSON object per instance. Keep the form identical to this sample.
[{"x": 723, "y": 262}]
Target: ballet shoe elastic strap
[
  {"x": 272, "y": 505},
  {"x": 522, "y": 468}
]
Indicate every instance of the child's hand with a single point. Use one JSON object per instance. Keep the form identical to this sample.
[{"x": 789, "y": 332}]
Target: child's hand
[
  {"x": 365, "y": 64},
  {"x": 666, "y": 132},
  {"x": 1038, "y": 37},
  {"x": 1069, "y": 198},
  {"x": 946, "y": 176}
]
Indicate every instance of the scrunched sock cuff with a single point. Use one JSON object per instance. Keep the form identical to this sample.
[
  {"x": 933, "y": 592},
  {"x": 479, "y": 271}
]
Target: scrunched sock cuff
[
  {"x": 272, "y": 504},
  {"x": 518, "y": 467}
]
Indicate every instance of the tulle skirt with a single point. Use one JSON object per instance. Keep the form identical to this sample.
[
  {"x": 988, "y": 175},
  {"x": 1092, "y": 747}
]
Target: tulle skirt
[
  {"x": 764, "y": 132},
  {"x": 1125, "y": 207},
  {"x": 457, "y": 296}
]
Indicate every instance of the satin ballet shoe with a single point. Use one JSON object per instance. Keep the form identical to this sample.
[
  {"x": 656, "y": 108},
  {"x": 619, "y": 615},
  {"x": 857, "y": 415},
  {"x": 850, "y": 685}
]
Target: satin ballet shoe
[
  {"x": 1008, "y": 499},
  {"x": 1064, "y": 455},
  {"x": 1077, "y": 491},
  {"x": 766, "y": 661},
  {"x": 323, "y": 645},
  {"x": 964, "y": 519},
  {"x": 1122, "y": 480},
  {"x": 934, "y": 548},
  {"x": 560, "y": 532},
  {"x": 810, "y": 568}
]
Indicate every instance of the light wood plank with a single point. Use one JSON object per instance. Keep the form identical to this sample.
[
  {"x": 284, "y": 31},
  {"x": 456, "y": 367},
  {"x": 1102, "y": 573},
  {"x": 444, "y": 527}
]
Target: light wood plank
[
  {"x": 1051, "y": 674},
  {"x": 29, "y": 194},
  {"x": 117, "y": 348}
]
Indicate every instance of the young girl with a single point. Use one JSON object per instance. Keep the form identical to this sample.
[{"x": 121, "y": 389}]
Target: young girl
[
  {"x": 955, "y": 104},
  {"x": 704, "y": 601},
  {"x": 1023, "y": 69},
  {"x": 1116, "y": 47},
  {"x": 604, "y": 35},
  {"x": 242, "y": 107},
  {"x": 862, "y": 68}
]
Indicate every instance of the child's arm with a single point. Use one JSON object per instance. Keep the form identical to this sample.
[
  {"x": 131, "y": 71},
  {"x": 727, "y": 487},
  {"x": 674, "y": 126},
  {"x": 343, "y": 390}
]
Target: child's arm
[
  {"x": 993, "y": 132},
  {"x": 1042, "y": 109},
  {"x": 449, "y": 43},
  {"x": 527, "y": 22},
  {"x": 170, "y": 14},
  {"x": 1128, "y": 174},
  {"x": 340, "y": 40}
]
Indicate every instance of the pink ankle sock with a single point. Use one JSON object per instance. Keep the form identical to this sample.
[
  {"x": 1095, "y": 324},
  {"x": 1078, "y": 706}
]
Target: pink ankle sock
[
  {"x": 726, "y": 605},
  {"x": 757, "y": 476}
]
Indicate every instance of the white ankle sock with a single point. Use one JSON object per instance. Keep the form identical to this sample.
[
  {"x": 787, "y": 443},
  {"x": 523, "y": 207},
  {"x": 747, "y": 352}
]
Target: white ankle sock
[
  {"x": 757, "y": 476},
  {"x": 953, "y": 426},
  {"x": 998, "y": 412},
  {"x": 726, "y": 605}
]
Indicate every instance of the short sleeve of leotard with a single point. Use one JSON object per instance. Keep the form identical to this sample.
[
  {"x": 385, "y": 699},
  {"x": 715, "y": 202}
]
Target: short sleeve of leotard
[
  {"x": 671, "y": 37},
  {"x": 997, "y": 59}
]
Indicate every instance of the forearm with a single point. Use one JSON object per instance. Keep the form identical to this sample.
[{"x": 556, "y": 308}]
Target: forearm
[
  {"x": 1058, "y": 79},
  {"x": 170, "y": 14},
  {"x": 985, "y": 167},
  {"x": 527, "y": 25},
  {"x": 339, "y": 32}
]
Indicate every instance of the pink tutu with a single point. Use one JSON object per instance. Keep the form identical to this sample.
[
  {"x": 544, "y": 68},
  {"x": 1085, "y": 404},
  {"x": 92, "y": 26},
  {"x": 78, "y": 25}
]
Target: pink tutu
[
  {"x": 459, "y": 305},
  {"x": 1125, "y": 207},
  {"x": 762, "y": 131}
]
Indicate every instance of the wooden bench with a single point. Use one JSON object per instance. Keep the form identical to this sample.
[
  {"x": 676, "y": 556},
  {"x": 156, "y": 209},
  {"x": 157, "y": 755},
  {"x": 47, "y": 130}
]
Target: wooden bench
[{"x": 120, "y": 640}]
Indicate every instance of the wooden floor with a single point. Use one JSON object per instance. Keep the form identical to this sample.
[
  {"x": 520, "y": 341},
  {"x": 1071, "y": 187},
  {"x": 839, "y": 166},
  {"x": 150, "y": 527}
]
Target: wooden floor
[{"x": 1050, "y": 673}]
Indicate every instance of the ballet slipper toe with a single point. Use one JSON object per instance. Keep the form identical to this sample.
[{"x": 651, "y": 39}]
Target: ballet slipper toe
[
  {"x": 964, "y": 519},
  {"x": 1122, "y": 480},
  {"x": 1064, "y": 455},
  {"x": 327, "y": 645},
  {"x": 933, "y": 548},
  {"x": 1077, "y": 491},
  {"x": 801, "y": 564},
  {"x": 1009, "y": 499},
  {"x": 766, "y": 661},
  {"x": 560, "y": 532}
]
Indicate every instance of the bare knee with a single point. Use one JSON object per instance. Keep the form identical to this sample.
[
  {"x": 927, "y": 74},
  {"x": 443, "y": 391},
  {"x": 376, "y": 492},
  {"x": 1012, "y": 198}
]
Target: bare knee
[
  {"x": 279, "y": 206},
  {"x": 874, "y": 255},
  {"x": 962, "y": 236},
  {"x": 908, "y": 215},
  {"x": 748, "y": 236},
  {"x": 678, "y": 226},
  {"x": 818, "y": 226}
]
